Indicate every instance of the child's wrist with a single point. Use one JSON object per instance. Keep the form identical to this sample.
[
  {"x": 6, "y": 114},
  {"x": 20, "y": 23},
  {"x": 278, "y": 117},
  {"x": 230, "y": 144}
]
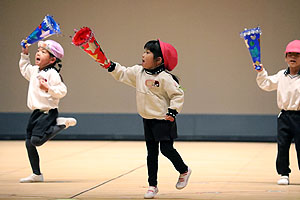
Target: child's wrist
[
  {"x": 111, "y": 67},
  {"x": 172, "y": 113}
]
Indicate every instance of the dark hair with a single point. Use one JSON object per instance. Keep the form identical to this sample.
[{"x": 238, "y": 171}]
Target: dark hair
[
  {"x": 57, "y": 61},
  {"x": 174, "y": 77},
  {"x": 154, "y": 47}
]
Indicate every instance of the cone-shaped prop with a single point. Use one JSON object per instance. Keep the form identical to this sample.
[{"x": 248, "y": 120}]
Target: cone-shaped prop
[
  {"x": 45, "y": 29},
  {"x": 85, "y": 39},
  {"x": 252, "y": 41}
]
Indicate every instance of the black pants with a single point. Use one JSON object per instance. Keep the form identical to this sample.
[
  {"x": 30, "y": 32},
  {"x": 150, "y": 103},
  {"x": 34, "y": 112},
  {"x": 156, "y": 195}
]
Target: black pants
[
  {"x": 167, "y": 149},
  {"x": 161, "y": 132},
  {"x": 288, "y": 128},
  {"x": 41, "y": 128}
]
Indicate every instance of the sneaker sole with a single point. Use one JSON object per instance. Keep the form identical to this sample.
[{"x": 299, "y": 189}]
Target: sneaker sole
[
  {"x": 71, "y": 123},
  {"x": 31, "y": 181}
]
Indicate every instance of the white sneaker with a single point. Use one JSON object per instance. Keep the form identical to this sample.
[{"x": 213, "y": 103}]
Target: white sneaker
[
  {"x": 32, "y": 178},
  {"x": 284, "y": 180},
  {"x": 66, "y": 121},
  {"x": 151, "y": 192},
  {"x": 183, "y": 179}
]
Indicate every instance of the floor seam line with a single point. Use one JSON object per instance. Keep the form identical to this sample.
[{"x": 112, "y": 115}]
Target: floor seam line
[{"x": 105, "y": 182}]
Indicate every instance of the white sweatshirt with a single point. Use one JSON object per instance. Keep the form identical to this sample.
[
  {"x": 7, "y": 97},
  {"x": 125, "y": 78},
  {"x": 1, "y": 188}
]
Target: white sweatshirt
[
  {"x": 38, "y": 98},
  {"x": 287, "y": 86},
  {"x": 154, "y": 93}
]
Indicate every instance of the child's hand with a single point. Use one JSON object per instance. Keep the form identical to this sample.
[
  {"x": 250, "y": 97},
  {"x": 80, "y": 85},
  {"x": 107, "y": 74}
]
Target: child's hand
[
  {"x": 105, "y": 66},
  {"x": 44, "y": 85},
  {"x": 261, "y": 67},
  {"x": 25, "y": 50},
  {"x": 169, "y": 118}
]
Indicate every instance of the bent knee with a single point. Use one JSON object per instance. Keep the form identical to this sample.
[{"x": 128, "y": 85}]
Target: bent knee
[
  {"x": 167, "y": 151},
  {"x": 36, "y": 141}
]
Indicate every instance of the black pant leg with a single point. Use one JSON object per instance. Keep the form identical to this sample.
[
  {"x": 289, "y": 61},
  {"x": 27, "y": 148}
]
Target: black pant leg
[
  {"x": 284, "y": 140},
  {"x": 297, "y": 145},
  {"x": 52, "y": 132},
  {"x": 152, "y": 162},
  {"x": 33, "y": 157},
  {"x": 31, "y": 122},
  {"x": 296, "y": 133},
  {"x": 167, "y": 149},
  {"x": 45, "y": 122}
]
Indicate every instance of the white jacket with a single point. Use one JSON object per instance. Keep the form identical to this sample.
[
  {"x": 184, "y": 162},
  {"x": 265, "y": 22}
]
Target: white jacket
[
  {"x": 154, "y": 93},
  {"x": 287, "y": 86},
  {"x": 38, "y": 98}
]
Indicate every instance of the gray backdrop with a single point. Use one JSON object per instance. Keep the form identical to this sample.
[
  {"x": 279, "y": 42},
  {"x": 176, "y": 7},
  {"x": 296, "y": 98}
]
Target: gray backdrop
[{"x": 214, "y": 64}]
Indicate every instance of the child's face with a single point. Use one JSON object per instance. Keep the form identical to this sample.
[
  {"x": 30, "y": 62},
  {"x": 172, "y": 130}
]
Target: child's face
[
  {"x": 148, "y": 61},
  {"x": 43, "y": 58},
  {"x": 293, "y": 59}
]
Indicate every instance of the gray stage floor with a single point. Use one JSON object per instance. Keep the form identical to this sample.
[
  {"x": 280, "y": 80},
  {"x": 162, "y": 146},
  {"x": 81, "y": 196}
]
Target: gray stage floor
[{"x": 117, "y": 170}]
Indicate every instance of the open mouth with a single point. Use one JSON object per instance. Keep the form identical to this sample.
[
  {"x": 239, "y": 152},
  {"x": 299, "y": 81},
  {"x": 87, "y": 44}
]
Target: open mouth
[{"x": 37, "y": 61}]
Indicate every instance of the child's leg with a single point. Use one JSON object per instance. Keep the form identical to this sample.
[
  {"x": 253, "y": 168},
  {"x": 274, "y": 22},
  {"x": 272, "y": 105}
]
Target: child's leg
[
  {"x": 31, "y": 149},
  {"x": 51, "y": 133},
  {"x": 62, "y": 123},
  {"x": 297, "y": 144},
  {"x": 45, "y": 127},
  {"x": 167, "y": 149},
  {"x": 33, "y": 157},
  {"x": 284, "y": 139},
  {"x": 152, "y": 162},
  {"x": 296, "y": 130}
]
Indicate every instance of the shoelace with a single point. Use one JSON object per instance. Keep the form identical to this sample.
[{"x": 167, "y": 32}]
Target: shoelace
[
  {"x": 181, "y": 177},
  {"x": 150, "y": 191}
]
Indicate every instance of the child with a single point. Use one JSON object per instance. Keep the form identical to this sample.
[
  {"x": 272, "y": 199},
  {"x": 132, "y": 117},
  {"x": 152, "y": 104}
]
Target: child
[
  {"x": 287, "y": 82},
  {"x": 159, "y": 98},
  {"x": 45, "y": 90}
]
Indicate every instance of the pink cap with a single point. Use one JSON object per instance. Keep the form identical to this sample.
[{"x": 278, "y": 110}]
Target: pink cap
[
  {"x": 169, "y": 54},
  {"x": 53, "y": 47},
  {"x": 293, "y": 46}
]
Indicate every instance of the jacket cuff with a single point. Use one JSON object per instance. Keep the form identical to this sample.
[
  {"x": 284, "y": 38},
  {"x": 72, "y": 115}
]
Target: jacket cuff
[
  {"x": 23, "y": 55},
  {"x": 111, "y": 67},
  {"x": 172, "y": 112}
]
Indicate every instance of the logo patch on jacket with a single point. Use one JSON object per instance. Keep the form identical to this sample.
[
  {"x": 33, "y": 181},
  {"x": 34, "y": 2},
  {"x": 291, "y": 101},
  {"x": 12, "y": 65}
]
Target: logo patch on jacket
[{"x": 151, "y": 83}]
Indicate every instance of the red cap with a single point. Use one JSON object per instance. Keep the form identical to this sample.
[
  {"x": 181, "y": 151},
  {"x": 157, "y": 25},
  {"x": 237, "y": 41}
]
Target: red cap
[{"x": 169, "y": 54}]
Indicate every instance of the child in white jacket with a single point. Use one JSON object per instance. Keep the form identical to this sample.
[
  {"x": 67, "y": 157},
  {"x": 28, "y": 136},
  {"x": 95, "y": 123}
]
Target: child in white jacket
[
  {"x": 159, "y": 99},
  {"x": 287, "y": 84},
  {"x": 45, "y": 90}
]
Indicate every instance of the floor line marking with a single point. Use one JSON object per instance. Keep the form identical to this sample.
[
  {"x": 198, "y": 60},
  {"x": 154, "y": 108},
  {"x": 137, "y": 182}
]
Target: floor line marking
[{"x": 103, "y": 183}]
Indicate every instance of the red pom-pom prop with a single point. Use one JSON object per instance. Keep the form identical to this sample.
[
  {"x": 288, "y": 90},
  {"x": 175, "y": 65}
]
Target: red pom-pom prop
[{"x": 85, "y": 39}]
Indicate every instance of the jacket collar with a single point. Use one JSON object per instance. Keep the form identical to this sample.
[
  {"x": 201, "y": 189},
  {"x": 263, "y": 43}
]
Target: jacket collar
[
  {"x": 157, "y": 70},
  {"x": 49, "y": 67},
  {"x": 287, "y": 71}
]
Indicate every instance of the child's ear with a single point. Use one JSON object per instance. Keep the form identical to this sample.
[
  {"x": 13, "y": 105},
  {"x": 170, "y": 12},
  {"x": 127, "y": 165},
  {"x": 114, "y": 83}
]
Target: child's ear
[
  {"x": 159, "y": 60},
  {"x": 52, "y": 60}
]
